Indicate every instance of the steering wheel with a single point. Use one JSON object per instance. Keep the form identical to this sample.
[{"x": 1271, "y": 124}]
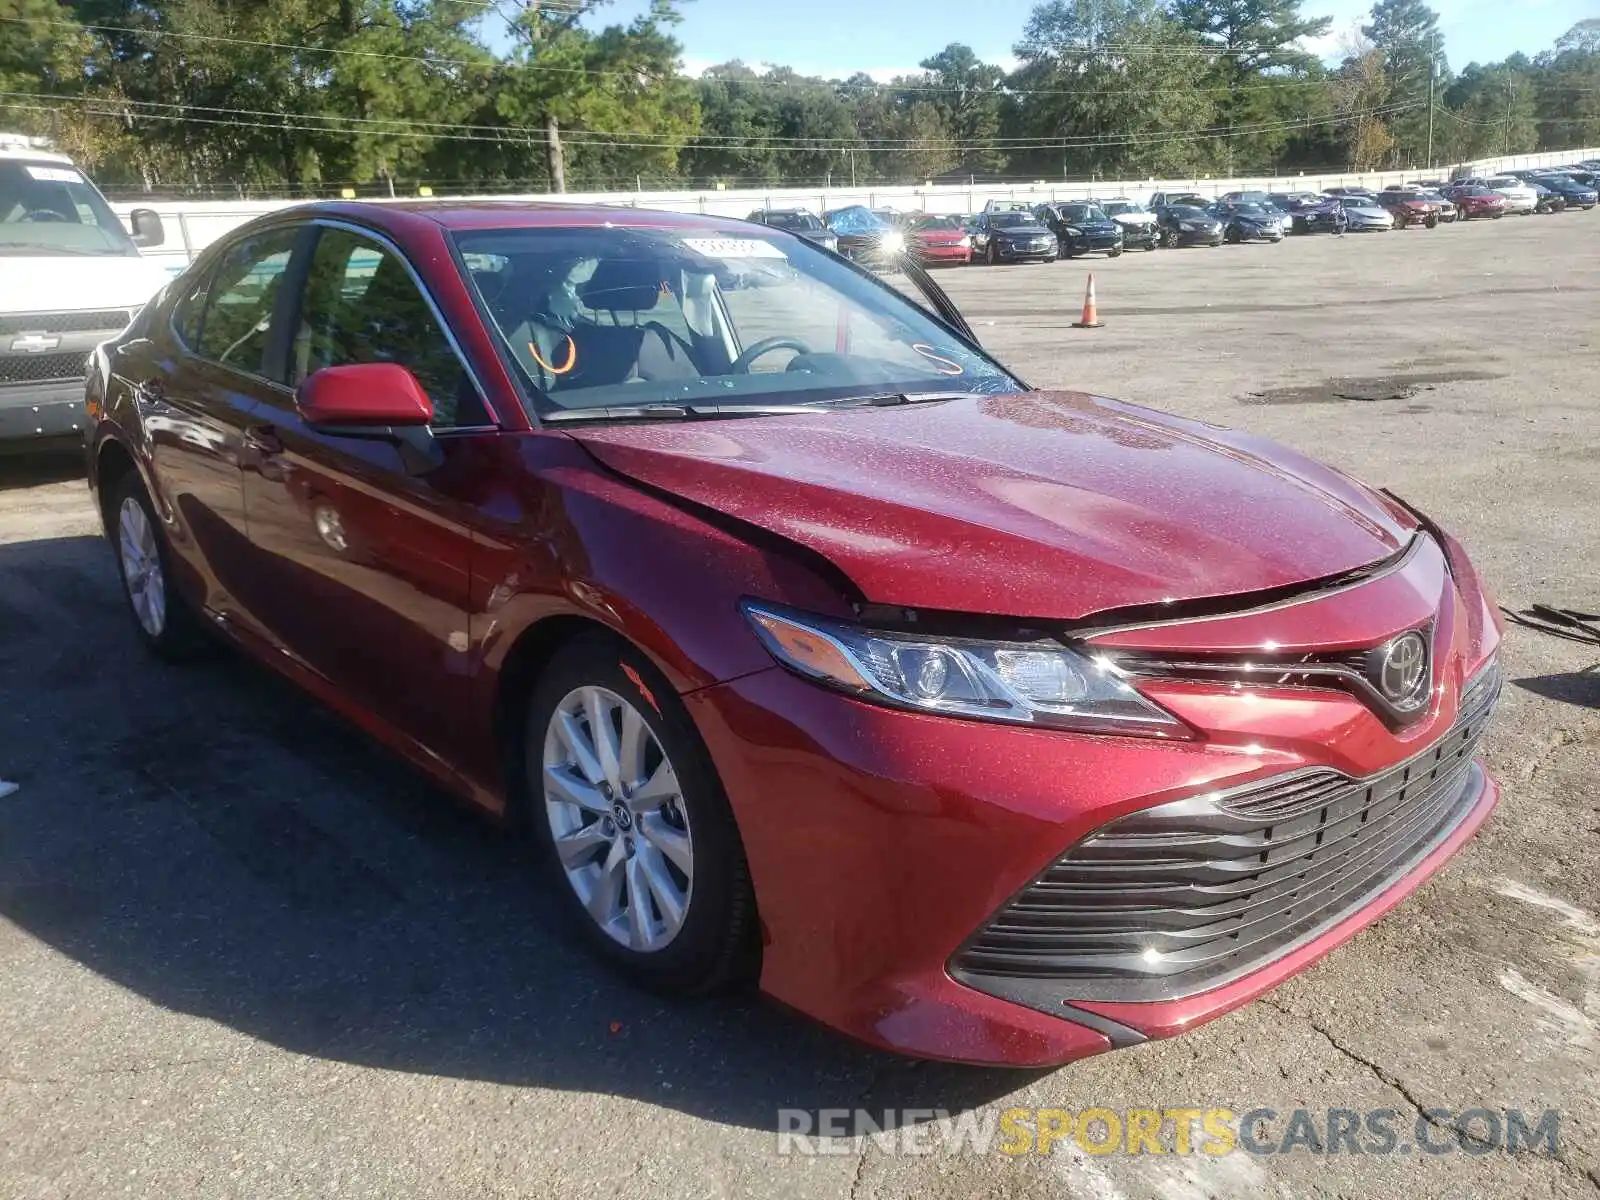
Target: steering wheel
[
  {"x": 755, "y": 350},
  {"x": 42, "y": 215}
]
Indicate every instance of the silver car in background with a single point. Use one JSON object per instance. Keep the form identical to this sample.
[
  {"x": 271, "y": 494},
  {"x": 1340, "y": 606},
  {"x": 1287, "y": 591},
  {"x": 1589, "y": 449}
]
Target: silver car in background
[
  {"x": 1365, "y": 216},
  {"x": 1519, "y": 196}
]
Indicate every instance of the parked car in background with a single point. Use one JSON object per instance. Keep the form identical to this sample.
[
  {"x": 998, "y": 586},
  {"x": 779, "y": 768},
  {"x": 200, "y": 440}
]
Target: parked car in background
[
  {"x": 1577, "y": 195},
  {"x": 1311, "y": 213},
  {"x": 1140, "y": 230},
  {"x": 1012, "y": 236},
  {"x": 1081, "y": 228},
  {"x": 1190, "y": 199},
  {"x": 1005, "y": 206},
  {"x": 1369, "y": 193},
  {"x": 1188, "y": 225},
  {"x": 1548, "y": 201},
  {"x": 1519, "y": 195},
  {"x": 799, "y": 221},
  {"x": 1448, "y": 212},
  {"x": 1245, "y": 221},
  {"x": 70, "y": 277},
  {"x": 1583, "y": 176},
  {"x": 1365, "y": 216},
  {"x": 937, "y": 241},
  {"x": 1474, "y": 200},
  {"x": 1409, "y": 207},
  {"x": 865, "y": 237}
]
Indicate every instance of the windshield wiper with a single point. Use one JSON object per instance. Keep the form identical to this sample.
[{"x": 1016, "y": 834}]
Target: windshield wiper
[{"x": 671, "y": 411}]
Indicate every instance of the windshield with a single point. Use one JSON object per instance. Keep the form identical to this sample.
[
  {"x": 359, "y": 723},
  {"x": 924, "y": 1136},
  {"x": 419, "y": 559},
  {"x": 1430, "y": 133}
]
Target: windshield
[
  {"x": 795, "y": 222},
  {"x": 1119, "y": 208},
  {"x": 1188, "y": 212},
  {"x": 857, "y": 220},
  {"x": 1248, "y": 209},
  {"x": 1081, "y": 212},
  {"x": 606, "y": 318},
  {"x": 49, "y": 208},
  {"x": 936, "y": 223},
  {"x": 1505, "y": 183},
  {"x": 1014, "y": 220}
]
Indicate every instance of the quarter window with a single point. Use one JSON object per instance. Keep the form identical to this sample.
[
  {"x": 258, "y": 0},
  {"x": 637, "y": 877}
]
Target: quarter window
[
  {"x": 362, "y": 306},
  {"x": 236, "y": 321}
]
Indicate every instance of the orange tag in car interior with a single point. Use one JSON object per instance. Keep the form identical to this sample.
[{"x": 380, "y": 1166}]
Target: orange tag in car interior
[
  {"x": 943, "y": 365},
  {"x": 572, "y": 358}
]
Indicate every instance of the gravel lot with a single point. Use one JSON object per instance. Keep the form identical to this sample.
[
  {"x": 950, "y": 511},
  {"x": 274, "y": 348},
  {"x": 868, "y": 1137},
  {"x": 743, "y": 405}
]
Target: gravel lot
[{"x": 244, "y": 953}]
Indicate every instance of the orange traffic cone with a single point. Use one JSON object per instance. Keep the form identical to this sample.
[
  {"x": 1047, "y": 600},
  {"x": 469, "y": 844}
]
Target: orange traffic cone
[{"x": 1091, "y": 316}]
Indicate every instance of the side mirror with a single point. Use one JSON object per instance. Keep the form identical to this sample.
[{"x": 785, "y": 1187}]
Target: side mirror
[
  {"x": 147, "y": 229},
  {"x": 371, "y": 396},
  {"x": 376, "y": 401}
]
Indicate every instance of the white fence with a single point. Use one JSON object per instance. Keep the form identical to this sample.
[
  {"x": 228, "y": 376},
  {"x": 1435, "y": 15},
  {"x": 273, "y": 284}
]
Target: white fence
[{"x": 193, "y": 225}]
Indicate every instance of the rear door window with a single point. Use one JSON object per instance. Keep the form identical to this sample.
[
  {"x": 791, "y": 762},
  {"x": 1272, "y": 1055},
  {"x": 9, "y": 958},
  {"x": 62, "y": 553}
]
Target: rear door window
[{"x": 236, "y": 322}]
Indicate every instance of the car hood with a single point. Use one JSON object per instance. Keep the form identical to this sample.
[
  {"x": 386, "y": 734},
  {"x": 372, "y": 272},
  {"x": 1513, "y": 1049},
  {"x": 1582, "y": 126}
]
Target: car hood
[
  {"x": 1139, "y": 218},
  {"x": 1038, "y": 504},
  {"x": 1106, "y": 226},
  {"x": 71, "y": 283},
  {"x": 1027, "y": 231}
]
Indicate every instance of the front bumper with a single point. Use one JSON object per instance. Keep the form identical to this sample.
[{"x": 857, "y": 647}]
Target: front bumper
[
  {"x": 1187, "y": 238},
  {"x": 880, "y": 841},
  {"x": 1024, "y": 251},
  {"x": 1317, "y": 223},
  {"x": 41, "y": 415},
  {"x": 1140, "y": 236},
  {"x": 940, "y": 256}
]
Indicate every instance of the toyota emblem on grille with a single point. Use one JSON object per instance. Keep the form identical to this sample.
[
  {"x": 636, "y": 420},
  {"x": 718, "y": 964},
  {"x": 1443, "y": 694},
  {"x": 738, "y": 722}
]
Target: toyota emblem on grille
[{"x": 1400, "y": 671}]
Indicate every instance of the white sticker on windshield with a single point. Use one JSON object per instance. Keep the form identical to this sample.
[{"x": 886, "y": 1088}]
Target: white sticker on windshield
[
  {"x": 55, "y": 175},
  {"x": 733, "y": 248}
]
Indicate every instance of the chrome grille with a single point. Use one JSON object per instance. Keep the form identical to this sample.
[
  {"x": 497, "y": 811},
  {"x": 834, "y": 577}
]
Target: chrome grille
[
  {"x": 112, "y": 319},
  {"x": 1185, "y": 896},
  {"x": 43, "y": 368}
]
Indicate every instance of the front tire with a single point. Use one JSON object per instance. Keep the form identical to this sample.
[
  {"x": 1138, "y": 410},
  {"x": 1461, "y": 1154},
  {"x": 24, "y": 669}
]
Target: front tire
[
  {"x": 166, "y": 623},
  {"x": 634, "y": 826}
]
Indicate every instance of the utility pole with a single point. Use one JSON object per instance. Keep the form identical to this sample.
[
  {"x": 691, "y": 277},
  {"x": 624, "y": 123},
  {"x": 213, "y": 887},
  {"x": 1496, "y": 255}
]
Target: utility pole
[
  {"x": 1433, "y": 72},
  {"x": 1508, "y": 116}
]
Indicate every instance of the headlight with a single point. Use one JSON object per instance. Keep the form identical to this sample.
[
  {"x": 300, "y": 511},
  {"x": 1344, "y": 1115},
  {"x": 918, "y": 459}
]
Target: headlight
[
  {"x": 1026, "y": 683},
  {"x": 965, "y": 242},
  {"x": 892, "y": 242}
]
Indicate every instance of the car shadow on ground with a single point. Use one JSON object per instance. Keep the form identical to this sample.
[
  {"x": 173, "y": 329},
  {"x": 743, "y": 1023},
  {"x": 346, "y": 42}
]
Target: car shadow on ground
[
  {"x": 218, "y": 843},
  {"x": 1571, "y": 687},
  {"x": 31, "y": 470}
]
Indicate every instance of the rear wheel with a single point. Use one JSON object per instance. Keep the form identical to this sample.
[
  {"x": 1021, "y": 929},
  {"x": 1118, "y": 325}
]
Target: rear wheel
[
  {"x": 635, "y": 828},
  {"x": 166, "y": 623}
]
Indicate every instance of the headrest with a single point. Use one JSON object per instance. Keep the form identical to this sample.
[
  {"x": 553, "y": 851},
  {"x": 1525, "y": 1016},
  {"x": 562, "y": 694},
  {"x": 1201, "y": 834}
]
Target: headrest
[{"x": 622, "y": 285}]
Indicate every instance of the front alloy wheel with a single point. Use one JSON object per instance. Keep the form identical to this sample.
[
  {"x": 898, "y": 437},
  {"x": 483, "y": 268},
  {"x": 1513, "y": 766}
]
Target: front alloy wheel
[
  {"x": 142, "y": 574},
  {"x": 617, "y": 819},
  {"x": 636, "y": 831}
]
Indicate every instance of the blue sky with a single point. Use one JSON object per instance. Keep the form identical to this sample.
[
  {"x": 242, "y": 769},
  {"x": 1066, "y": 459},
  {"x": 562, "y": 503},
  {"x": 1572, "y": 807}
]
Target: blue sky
[{"x": 886, "y": 37}]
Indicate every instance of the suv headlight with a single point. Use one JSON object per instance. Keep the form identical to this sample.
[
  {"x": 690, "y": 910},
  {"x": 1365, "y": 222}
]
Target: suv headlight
[
  {"x": 892, "y": 242},
  {"x": 1022, "y": 683}
]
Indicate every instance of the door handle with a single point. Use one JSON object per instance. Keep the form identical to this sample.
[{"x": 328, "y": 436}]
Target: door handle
[{"x": 263, "y": 439}]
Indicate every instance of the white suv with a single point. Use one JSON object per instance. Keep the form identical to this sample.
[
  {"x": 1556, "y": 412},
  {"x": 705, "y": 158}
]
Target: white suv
[{"x": 70, "y": 277}]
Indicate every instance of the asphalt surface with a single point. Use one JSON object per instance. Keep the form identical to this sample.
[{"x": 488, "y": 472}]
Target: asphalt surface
[{"x": 245, "y": 953}]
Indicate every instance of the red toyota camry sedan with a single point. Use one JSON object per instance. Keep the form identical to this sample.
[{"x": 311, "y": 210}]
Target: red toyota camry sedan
[{"x": 980, "y": 722}]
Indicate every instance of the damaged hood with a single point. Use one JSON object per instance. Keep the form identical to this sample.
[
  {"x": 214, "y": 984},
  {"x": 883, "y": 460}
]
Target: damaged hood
[{"x": 1039, "y": 504}]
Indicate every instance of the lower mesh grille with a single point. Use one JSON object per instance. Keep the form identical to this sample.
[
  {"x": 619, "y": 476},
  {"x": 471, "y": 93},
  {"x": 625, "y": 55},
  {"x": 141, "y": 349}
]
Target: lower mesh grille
[
  {"x": 43, "y": 368},
  {"x": 1185, "y": 896}
]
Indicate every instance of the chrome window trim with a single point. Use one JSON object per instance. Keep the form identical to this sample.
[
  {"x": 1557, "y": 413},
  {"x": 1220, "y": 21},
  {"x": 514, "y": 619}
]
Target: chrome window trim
[{"x": 210, "y": 272}]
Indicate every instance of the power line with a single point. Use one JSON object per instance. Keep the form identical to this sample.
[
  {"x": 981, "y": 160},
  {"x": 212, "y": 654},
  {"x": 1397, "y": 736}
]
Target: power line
[{"x": 1089, "y": 141}]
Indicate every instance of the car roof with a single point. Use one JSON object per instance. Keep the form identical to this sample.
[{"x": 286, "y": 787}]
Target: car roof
[{"x": 514, "y": 214}]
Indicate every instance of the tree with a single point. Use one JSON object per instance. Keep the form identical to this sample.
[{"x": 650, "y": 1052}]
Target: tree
[
  {"x": 1359, "y": 87},
  {"x": 1491, "y": 111},
  {"x": 1407, "y": 32},
  {"x": 1118, "y": 88},
  {"x": 967, "y": 101},
  {"x": 1260, "y": 80}
]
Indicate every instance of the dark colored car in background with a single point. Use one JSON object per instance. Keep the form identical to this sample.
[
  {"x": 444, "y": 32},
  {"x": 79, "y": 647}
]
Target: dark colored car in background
[
  {"x": 1409, "y": 207},
  {"x": 937, "y": 241},
  {"x": 1576, "y": 195},
  {"x": 1140, "y": 229},
  {"x": 1311, "y": 213},
  {"x": 799, "y": 221},
  {"x": 863, "y": 236},
  {"x": 1474, "y": 200},
  {"x": 1244, "y": 221},
  {"x": 1081, "y": 228},
  {"x": 1017, "y": 237},
  {"x": 1547, "y": 201},
  {"x": 1187, "y": 225},
  {"x": 586, "y": 539}
]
